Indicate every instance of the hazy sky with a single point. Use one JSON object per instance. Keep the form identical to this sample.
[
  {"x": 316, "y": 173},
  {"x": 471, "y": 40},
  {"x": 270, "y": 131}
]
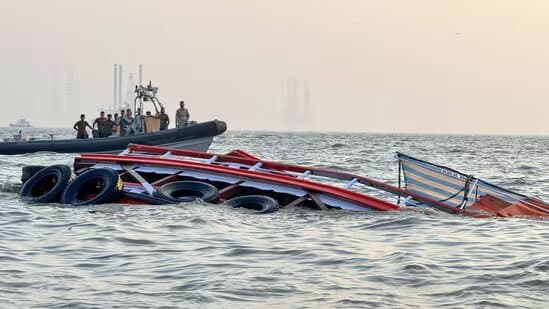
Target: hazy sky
[{"x": 453, "y": 66}]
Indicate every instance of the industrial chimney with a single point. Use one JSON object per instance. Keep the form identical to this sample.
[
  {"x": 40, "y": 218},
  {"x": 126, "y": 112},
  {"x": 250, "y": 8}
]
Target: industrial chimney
[
  {"x": 140, "y": 75},
  {"x": 115, "y": 90},
  {"x": 119, "y": 86}
]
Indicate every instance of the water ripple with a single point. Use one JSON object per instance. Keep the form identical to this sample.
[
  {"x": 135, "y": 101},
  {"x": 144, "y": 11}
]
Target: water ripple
[{"x": 207, "y": 256}]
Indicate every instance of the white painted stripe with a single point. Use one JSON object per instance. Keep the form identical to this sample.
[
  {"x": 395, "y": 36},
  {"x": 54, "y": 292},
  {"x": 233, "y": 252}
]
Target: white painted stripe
[
  {"x": 350, "y": 183},
  {"x": 340, "y": 203},
  {"x": 274, "y": 187}
]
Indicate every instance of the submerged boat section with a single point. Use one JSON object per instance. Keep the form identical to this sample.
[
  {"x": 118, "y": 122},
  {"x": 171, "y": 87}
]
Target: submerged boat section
[
  {"x": 421, "y": 184},
  {"x": 458, "y": 192},
  {"x": 145, "y": 174}
]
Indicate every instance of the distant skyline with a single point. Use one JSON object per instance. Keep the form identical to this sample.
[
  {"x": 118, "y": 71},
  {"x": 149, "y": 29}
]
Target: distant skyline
[{"x": 423, "y": 66}]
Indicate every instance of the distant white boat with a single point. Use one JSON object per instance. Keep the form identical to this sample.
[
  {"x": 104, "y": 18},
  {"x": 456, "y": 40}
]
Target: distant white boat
[{"x": 21, "y": 123}]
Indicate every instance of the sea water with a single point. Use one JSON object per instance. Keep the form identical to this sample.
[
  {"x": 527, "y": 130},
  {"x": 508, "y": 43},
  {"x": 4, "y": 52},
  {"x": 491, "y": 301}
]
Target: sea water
[{"x": 210, "y": 256}]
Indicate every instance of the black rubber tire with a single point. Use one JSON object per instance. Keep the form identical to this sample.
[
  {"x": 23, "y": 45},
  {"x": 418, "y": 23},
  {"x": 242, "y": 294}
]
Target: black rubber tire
[
  {"x": 187, "y": 191},
  {"x": 152, "y": 200},
  {"x": 28, "y": 171},
  {"x": 260, "y": 204},
  {"x": 102, "y": 183},
  {"x": 46, "y": 185}
]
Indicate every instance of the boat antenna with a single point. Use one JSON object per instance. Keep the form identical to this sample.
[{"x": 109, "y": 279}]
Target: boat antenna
[{"x": 146, "y": 94}]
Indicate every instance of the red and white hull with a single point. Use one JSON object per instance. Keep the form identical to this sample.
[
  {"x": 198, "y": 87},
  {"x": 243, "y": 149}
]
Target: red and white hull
[{"x": 234, "y": 173}]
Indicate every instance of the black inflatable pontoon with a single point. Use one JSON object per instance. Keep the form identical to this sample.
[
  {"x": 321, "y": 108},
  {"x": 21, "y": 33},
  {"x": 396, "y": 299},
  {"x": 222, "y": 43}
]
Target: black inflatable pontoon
[{"x": 195, "y": 137}]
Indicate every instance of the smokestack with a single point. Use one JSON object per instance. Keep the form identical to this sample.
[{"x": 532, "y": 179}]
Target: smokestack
[
  {"x": 115, "y": 90},
  {"x": 140, "y": 75},
  {"x": 306, "y": 98},
  {"x": 119, "y": 86},
  {"x": 69, "y": 89},
  {"x": 292, "y": 94}
]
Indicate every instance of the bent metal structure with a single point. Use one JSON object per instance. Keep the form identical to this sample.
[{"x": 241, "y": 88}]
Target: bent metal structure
[
  {"x": 195, "y": 137},
  {"x": 145, "y": 170}
]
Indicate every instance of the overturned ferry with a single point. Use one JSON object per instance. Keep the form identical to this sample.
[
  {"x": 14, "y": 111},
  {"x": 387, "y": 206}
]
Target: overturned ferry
[{"x": 158, "y": 175}]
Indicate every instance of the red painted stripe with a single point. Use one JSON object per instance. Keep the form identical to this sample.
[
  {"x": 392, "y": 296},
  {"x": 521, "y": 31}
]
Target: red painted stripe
[
  {"x": 242, "y": 154},
  {"x": 363, "y": 200}
]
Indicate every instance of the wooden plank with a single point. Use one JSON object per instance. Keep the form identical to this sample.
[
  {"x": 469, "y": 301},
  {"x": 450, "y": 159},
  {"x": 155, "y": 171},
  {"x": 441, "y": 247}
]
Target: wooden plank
[
  {"x": 230, "y": 187},
  {"x": 77, "y": 172},
  {"x": 229, "y": 190},
  {"x": 164, "y": 180},
  {"x": 317, "y": 201},
  {"x": 146, "y": 185},
  {"x": 296, "y": 202}
]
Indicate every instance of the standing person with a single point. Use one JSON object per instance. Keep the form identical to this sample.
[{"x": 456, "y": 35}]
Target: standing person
[
  {"x": 164, "y": 119},
  {"x": 182, "y": 116},
  {"x": 127, "y": 124},
  {"x": 108, "y": 127},
  {"x": 100, "y": 122},
  {"x": 116, "y": 124},
  {"x": 121, "y": 131},
  {"x": 80, "y": 127},
  {"x": 138, "y": 122}
]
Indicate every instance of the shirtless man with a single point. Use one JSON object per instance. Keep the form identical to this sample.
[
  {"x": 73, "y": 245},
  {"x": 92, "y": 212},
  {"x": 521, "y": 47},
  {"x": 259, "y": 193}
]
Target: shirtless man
[{"x": 80, "y": 127}]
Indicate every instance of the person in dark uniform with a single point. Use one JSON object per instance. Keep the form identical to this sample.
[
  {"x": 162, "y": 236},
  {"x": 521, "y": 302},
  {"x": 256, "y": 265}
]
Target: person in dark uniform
[
  {"x": 100, "y": 121},
  {"x": 121, "y": 130},
  {"x": 164, "y": 119},
  {"x": 108, "y": 127},
  {"x": 80, "y": 127},
  {"x": 116, "y": 123}
]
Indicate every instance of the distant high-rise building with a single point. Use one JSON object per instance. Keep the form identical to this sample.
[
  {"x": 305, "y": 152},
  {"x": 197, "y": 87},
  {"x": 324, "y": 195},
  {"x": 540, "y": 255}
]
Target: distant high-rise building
[
  {"x": 115, "y": 88},
  {"x": 55, "y": 96},
  {"x": 68, "y": 90},
  {"x": 120, "y": 70},
  {"x": 298, "y": 107},
  {"x": 128, "y": 100}
]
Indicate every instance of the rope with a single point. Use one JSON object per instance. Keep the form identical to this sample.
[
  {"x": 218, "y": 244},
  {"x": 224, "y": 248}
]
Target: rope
[
  {"x": 382, "y": 177},
  {"x": 465, "y": 191}
]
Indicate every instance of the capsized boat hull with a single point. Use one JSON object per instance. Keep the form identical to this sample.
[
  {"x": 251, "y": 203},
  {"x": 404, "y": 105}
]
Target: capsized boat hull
[
  {"x": 232, "y": 174},
  {"x": 196, "y": 137},
  {"x": 292, "y": 184}
]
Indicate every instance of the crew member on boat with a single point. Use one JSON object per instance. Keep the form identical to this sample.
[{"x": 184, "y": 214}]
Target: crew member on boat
[
  {"x": 108, "y": 127},
  {"x": 182, "y": 116},
  {"x": 116, "y": 124},
  {"x": 127, "y": 124},
  {"x": 164, "y": 119},
  {"x": 138, "y": 121},
  {"x": 100, "y": 122},
  {"x": 121, "y": 131},
  {"x": 80, "y": 127}
]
